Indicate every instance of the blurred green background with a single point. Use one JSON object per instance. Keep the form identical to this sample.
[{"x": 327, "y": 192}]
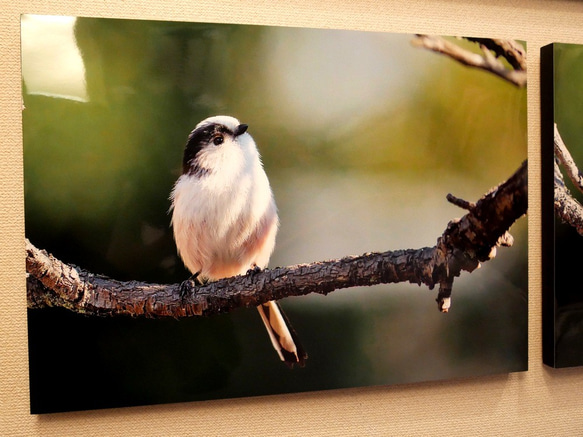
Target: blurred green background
[
  {"x": 362, "y": 136},
  {"x": 568, "y": 98}
]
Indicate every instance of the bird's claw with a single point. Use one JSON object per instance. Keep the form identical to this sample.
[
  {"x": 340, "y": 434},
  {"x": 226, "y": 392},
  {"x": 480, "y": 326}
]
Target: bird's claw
[
  {"x": 254, "y": 270},
  {"x": 189, "y": 285}
]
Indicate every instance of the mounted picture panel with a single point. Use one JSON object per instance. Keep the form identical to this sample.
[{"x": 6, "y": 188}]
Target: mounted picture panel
[
  {"x": 362, "y": 136},
  {"x": 562, "y": 103}
]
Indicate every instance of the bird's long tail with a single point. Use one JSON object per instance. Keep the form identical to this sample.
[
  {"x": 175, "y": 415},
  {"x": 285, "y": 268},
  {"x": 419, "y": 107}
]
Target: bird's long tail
[{"x": 283, "y": 337}]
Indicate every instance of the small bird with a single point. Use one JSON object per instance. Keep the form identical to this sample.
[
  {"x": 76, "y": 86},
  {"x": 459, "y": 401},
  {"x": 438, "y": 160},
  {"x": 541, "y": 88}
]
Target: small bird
[{"x": 225, "y": 219}]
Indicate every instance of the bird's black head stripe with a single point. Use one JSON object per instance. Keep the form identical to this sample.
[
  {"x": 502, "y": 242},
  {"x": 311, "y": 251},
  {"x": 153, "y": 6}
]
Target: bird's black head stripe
[{"x": 197, "y": 140}]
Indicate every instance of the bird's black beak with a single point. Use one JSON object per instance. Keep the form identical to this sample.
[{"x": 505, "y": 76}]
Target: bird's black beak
[{"x": 241, "y": 129}]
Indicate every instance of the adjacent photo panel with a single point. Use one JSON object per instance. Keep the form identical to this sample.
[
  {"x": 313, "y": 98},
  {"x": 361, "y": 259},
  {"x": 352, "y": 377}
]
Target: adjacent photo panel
[
  {"x": 562, "y": 212},
  {"x": 222, "y": 210}
]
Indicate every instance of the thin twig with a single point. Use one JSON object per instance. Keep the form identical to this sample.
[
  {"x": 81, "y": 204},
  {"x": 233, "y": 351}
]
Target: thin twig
[
  {"x": 463, "y": 204},
  {"x": 488, "y": 62}
]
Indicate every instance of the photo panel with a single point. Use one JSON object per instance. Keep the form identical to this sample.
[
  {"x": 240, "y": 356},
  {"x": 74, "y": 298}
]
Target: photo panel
[
  {"x": 562, "y": 213},
  {"x": 141, "y": 135}
]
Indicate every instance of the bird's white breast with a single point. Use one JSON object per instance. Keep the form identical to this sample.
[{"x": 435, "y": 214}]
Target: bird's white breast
[{"x": 225, "y": 221}]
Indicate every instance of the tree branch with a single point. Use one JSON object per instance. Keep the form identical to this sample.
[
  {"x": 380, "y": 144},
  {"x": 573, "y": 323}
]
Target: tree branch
[
  {"x": 567, "y": 161},
  {"x": 463, "y": 245},
  {"x": 512, "y": 51},
  {"x": 566, "y": 206}
]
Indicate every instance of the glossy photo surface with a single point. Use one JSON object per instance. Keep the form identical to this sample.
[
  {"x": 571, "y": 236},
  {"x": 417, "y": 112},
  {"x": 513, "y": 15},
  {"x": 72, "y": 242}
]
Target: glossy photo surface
[
  {"x": 361, "y": 134},
  {"x": 562, "y": 104}
]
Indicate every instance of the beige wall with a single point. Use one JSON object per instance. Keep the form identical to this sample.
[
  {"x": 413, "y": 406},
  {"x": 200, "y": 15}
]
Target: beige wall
[{"x": 541, "y": 401}]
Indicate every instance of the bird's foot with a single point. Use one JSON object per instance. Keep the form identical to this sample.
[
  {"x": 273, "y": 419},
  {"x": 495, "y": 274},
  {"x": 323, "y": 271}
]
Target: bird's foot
[
  {"x": 254, "y": 270},
  {"x": 189, "y": 285}
]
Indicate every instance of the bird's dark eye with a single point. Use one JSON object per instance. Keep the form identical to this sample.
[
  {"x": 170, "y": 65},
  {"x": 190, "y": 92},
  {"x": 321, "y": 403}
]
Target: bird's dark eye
[{"x": 218, "y": 140}]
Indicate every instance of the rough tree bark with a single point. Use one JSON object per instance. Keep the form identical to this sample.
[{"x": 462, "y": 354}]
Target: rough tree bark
[
  {"x": 566, "y": 206},
  {"x": 464, "y": 244}
]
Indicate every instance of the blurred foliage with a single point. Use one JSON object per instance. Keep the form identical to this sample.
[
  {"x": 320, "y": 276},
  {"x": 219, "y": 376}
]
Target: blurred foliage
[
  {"x": 370, "y": 175},
  {"x": 569, "y": 96}
]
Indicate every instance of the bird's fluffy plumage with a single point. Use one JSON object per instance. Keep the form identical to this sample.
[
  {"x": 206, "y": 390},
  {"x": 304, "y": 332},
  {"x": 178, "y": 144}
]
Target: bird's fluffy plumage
[
  {"x": 225, "y": 221},
  {"x": 224, "y": 216}
]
